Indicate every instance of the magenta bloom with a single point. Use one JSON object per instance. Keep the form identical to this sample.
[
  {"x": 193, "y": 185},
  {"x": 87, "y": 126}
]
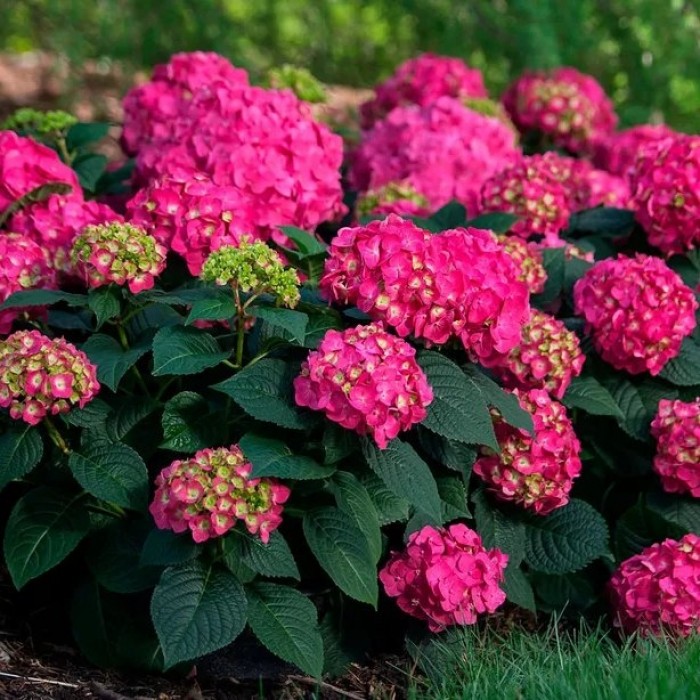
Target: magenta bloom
[
  {"x": 56, "y": 222},
  {"x": 569, "y": 107},
  {"x": 618, "y": 152},
  {"x": 23, "y": 267},
  {"x": 658, "y": 590},
  {"x": 421, "y": 81},
  {"x": 676, "y": 428},
  {"x": 666, "y": 187},
  {"x": 548, "y": 357},
  {"x": 365, "y": 380},
  {"x": 536, "y": 472},
  {"x": 443, "y": 150},
  {"x": 528, "y": 258},
  {"x": 41, "y": 376},
  {"x": 208, "y": 493},
  {"x": 461, "y": 283},
  {"x": 26, "y": 165},
  {"x": 637, "y": 310},
  {"x": 445, "y": 577}
]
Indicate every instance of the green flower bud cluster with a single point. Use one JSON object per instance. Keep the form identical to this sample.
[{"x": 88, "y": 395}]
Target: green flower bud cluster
[
  {"x": 299, "y": 80},
  {"x": 253, "y": 268},
  {"x": 388, "y": 194},
  {"x": 33, "y": 121}
]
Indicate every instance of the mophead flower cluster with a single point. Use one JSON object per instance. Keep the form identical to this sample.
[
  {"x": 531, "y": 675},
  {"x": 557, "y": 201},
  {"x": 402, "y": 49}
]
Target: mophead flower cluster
[
  {"x": 446, "y": 577},
  {"x": 42, "y": 376},
  {"x": 534, "y": 471},
  {"x": 210, "y": 492},
  {"x": 528, "y": 258},
  {"x": 676, "y": 429}
]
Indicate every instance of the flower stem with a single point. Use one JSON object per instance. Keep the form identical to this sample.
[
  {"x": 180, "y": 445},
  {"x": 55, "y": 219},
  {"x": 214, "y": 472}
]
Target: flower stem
[
  {"x": 56, "y": 436},
  {"x": 125, "y": 344},
  {"x": 63, "y": 150},
  {"x": 240, "y": 339}
]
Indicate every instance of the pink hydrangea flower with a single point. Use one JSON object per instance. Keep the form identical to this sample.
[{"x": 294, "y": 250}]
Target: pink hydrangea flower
[
  {"x": 637, "y": 310},
  {"x": 536, "y": 472},
  {"x": 23, "y": 267},
  {"x": 444, "y": 151},
  {"x": 55, "y": 223},
  {"x": 118, "y": 253},
  {"x": 676, "y": 428},
  {"x": 41, "y": 376},
  {"x": 666, "y": 188},
  {"x": 365, "y": 380},
  {"x": 461, "y": 283},
  {"x": 149, "y": 109},
  {"x": 569, "y": 107},
  {"x": 618, "y": 151},
  {"x": 445, "y": 577},
  {"x": 208, "y": 493},
  {"x": 528, "y": 258},
  {"x": 531, "y": 189},
  {"x": 421, "y": 81},
  {"x": 26, "y": 165},
  {"x": 658, "y": 590},
  {"x": 549, "y": 357},
  {"x": 600, "y": 188}
]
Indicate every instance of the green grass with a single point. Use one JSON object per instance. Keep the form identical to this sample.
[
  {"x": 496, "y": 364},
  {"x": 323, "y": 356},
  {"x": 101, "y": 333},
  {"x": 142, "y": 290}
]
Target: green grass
[{"x": 580, "y": 665}]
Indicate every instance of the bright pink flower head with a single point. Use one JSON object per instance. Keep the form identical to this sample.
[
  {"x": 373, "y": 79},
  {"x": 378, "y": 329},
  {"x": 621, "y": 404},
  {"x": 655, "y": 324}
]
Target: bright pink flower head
[
  {"x": 55, "y": 223},
  {"x": 666, "y": 189},
  {"x": 208, "y": 493},
  {"x": 421, "y": 81},
  {"x": 365, "y": 380},
  {"x": 445, "y": 576},
  {"x": 460, "y": 283},
  {"x": 41, "y": 376},
  {"x": 23, "y": 267},
  {"x": 548, "y": 357},
  {"x": 444, "y": 151},
  {"x": 569, "y": 107},
  {"x": 637, "y": 310},
  {"x": 536, "y": 472},
  {"x": 528, "y": 258},
  {"x": 531, "y": 190},
  {"x": 149, "y": 109},
  {"x": 118, "y": 253},
  {"x": 600, "y": 188},
  {"x": 618, "y": 152},
  {"x": 658, "y": 590},
  {"x": 676, "y": 428},
  {"x": 26, "y": 165}
]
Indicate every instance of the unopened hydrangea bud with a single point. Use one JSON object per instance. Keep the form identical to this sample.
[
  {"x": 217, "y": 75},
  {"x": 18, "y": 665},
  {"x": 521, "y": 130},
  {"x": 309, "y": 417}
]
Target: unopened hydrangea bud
[
  {"x": 676, "y": 428},
  {"x": 535, "y": 471},
  {"x": 529, "y": 261},
  {"x": 40, "y": 376},
  {"x": 365, "y": 380},
  {"x": 658, "y": 590},
  {"x": 549, "y": 357},
  {"x": 445, "y": 577},
  {"x": 37, "y": 122},
  {"x": 299, "y": 80},
  {"x": 253, "y": 268},
  {"x": 119, "y": 253},
  {"x": 208, "y": 493},
  {"x": 393, "y": 198}
]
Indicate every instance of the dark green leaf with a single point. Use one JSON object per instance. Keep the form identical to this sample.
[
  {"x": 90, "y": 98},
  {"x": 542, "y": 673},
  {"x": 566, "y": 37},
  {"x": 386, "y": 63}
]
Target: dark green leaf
[
  {"x": 222, "y": 308},
  {"x": 306, "y": 243},
  {"x": 182, "y": 350},
  {"x": 338, "y": 442},
  {"x": 165, "y": 548},
  {"x": 273, "y": 559},
  {"x": 684, "y": 369},
  {"x": 112, "y": 361},
  {"x": 84, "y": 133},
  {"x": 554, "y": 261},
  {"x": 638, "y": 401},
  {"x": 451, "y": 453},
  {"x": 681, "y": 511},
  {"x": 588, "y": 394},
  {"x": 128, "y": 415},
  {"x": 498, "y": 529},
  {"x": 105, "y": 303},
  {"x": 517, "y": 588},
  {"x": 565, "y": 592},
  {"x": 390, "y": 507},
  {"x": 21, "y": 449},
  {"x": 89, "y": 169},
  {"x": 92, "y": 415},
  {"x": 498, "y": 221},
  {"x": 639, "y": 527},
  {"x": 271, "y": 457},
  {"x": 453, "y": 494},
  {"x": 452, "y": 215},
  {"x": 602, "y": 220},
  {"x": 190, "y": 425},
  {"x": 42, "y": 297},
  {"x": 294, "y": 322}
]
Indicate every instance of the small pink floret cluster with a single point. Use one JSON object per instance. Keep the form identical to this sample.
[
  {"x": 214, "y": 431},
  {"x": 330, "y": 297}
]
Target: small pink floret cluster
[
  {"x": 421, "y": 81},
  {"x": 666, "y": 186},
  {"x": 461, "y": 283},
  {"x": 443, "y": 150},
  {"x": 445, "y": 577},
  {"x": 365, "y": 380},
  {"x": 41, "y": 376},
  {"x": 549, "y": 357},
  {"x": 23, "y": 267},
  {"x": 658, "y": 590},
  {"x": 618, "y": 152},
  {"x": 637, "y": 310},
  {"x": 210, "y": 492},
  {"x": 535, "y": 472},
  {"x": 676, "y": 428},
  {"x": 569, "y": 107},
  {"x": 528, "y": 258}
]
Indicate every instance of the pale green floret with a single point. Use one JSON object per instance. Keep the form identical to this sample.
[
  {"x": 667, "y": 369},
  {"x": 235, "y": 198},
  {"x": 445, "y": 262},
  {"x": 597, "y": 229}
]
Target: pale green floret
[
  {"x": 299, "y": 80},
  {"x": 253, "y": 268},
  {"x": 42, "y": 123}
]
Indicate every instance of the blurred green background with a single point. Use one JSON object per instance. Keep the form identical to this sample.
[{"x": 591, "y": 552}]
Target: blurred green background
[{"x": 646, "y": 52}]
